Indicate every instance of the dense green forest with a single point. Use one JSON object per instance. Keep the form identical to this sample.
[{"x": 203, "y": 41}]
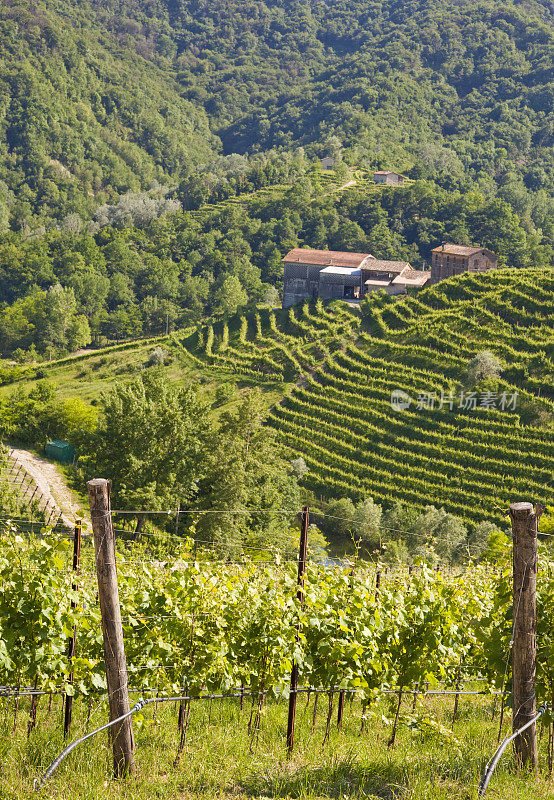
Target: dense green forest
[
  {"x": 157, "y": 159},
  {"x": 63, "y": 289},
  {"x": 100, "y": 99}
]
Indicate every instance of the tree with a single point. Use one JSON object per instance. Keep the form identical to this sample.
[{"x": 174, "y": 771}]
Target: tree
[
  {"x": 400, "y": 521},
  {"x": 76, "y": 420},
  {"x": 248, "y": 475},
  {"x": 479, "y": 538},
  {"x": 339, "y": 516},
  {"x": 299, "y": 467},
  {"x": 230, "y": 297},
  {"x": 152, "y": 442},
  {"x": 78, "y": 332},
  {"x": 58, "y": 311},
  {"x": 32, "y": 417},
  {"x": 367, "y": 523},
  {"x": 194, "y": 191},
  {"x": 274, "y": 266},
  {"x": 484, "y": 365},
  {"x": 157, "y": 357},
  {"x": 450, "y": 534},
  {"x": 441, "y": 532},
  {"x": 333, "y": 146},
  {"x": 91, "y": 290},
  {"x": 4, "y": 217}
]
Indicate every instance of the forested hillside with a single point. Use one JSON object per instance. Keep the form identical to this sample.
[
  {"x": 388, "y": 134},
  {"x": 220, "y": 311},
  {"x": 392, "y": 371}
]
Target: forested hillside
[
  {"x": 104, "y": 98},
  {"x": 83, "y": 116},
  {"x": 130, "y": 277},
  {"x": 158, "y": 159}
]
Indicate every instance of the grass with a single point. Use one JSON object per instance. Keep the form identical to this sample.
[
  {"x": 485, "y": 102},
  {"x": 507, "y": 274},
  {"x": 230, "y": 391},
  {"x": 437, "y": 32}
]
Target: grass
[
  {"x": 217, "y": 761},
  {"x": 89, "y": 376}
]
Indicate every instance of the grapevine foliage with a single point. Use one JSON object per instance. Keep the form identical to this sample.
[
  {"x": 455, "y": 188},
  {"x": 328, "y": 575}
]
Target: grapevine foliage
[{"x": 212, "y": 626}]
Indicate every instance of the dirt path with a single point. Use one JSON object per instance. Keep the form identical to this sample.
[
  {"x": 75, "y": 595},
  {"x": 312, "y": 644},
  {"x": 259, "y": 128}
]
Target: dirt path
[
  {"x": 338, "y": 189},
  {"x": 346, "y": 185},
  {"x": 53, "y": 486}
]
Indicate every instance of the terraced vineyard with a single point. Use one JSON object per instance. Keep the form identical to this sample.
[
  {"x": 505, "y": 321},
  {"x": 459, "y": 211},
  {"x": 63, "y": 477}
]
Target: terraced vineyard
[{"x": 344, "y": 365}]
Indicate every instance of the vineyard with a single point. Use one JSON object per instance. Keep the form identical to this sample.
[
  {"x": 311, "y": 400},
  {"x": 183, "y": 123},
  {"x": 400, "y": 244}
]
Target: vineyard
[
  {"x": 470, "y": 456},
  {"x": 393, "y": 651},
  {"x": 212, "y": 626}
]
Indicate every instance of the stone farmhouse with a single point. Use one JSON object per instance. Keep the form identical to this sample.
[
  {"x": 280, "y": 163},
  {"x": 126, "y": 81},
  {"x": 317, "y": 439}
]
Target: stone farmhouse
[
  {"x": 389, "y": 178},
  {"x": 328, "y": 162},
  {"x": 453, "y": 259},
  {"x": 332, "y": 275}
]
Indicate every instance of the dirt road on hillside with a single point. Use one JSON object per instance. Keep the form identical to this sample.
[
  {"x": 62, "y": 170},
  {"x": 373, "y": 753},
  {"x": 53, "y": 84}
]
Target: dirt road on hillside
[{"x": 53, "y": 485}]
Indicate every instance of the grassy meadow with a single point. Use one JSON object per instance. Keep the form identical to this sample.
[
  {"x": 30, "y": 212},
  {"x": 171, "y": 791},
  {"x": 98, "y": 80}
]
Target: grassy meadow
[{"x": 221, "y": 760}]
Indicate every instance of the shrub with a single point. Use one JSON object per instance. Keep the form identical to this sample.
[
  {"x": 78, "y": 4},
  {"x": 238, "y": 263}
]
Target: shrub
[
  {"x": 157, "y": 357},
  {"x": 484, "y": 365}
]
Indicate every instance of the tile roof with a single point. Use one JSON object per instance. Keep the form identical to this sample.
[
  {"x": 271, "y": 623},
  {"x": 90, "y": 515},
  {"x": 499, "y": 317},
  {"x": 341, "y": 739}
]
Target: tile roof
[
  {"x": 457, "y": 249},
  {"x": 326, "y": 258},
  {"x": 375, "y": 282},
  {"x": 376, "y": 265},
  {"x": 388, "y": 172},
  {"x": 412, "y": 277}
]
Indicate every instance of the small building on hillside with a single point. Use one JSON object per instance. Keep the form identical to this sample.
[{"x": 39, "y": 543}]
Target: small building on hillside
[
  {"x": 334, "y": 275},
  {"x": 328, "y": 162},
  {"x": 453, "y": 259},
  {"x": 344, "y": 283},
  {"x": 410, "y": 279},
  {"x": 389, "y": 178},
  {"x": 394, "y": 277}
]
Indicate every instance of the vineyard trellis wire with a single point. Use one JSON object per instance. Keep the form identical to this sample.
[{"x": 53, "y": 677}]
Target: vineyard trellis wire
[
  {"x": 340, "y": 628},
  {"x": 238, "y": 693}
]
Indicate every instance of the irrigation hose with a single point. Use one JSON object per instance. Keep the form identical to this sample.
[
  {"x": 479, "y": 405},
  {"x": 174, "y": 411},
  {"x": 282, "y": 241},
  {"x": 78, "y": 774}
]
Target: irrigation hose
[
  {"x": 137, "y": 707},
  {"x": 144, "y": 702},
  {"x": 57, "y": 761},
  {"x": 491, "y": 766}
]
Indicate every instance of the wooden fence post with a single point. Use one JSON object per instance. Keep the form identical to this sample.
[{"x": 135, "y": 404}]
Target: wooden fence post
[
  {"x": 112, "y": 628},
  {"x": 300, "y": 595},
  {"x": 72, "y": 642},
  {"x": 524, "y": 653},
  {"x": 340, "y": 710}
]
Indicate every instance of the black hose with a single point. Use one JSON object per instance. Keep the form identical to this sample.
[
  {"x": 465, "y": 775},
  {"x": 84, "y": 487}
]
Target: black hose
[{"x": 491, "y": 766}]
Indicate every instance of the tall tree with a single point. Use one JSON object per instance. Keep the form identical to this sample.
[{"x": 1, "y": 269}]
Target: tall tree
[
  {"x": 247, "y": 474},
  {"x": 152, "y": 442}
]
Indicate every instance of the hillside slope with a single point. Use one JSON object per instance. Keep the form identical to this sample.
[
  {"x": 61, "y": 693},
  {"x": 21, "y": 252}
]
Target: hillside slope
[
  {"x": 328, "y": 373},
  {"x": 101, "y": 98},
  {"x": 84, "y": 116},
  {"x": 483, "y": 446}
]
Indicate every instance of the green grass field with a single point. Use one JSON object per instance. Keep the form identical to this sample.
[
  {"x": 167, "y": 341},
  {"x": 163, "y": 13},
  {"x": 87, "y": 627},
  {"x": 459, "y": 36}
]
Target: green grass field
[
  {"x": 90, "y": 374},
  {"x": 219, "y": 762}
]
